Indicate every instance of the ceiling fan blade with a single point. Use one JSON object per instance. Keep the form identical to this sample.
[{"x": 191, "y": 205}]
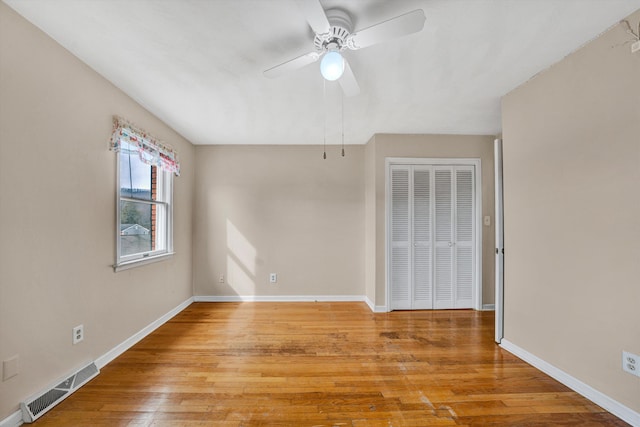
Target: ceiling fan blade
[
  {"x": 348, "y": 81},
  {"x": 402, "y": 25},
  {"x": 294, "y": 64},
  {"x": 313, "y": 11}
]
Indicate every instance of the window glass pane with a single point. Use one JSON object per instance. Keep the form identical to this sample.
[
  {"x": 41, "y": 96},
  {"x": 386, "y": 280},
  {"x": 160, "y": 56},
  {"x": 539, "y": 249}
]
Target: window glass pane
[
  {"x": 142, "y": 227},
  {"x": 135, "y": 176},
  {"x": 135, "y": 228}
]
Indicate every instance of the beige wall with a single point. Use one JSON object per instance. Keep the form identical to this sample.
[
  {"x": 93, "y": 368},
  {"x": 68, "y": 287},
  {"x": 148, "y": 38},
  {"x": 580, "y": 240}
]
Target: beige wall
[
  {"x": 279, "y": 209},
  {"x": 370, "y": 219},
  {"x": 57, "y": 215},
  {"x": 572, "y": 214},
  {"x": 428, "y": 146}
]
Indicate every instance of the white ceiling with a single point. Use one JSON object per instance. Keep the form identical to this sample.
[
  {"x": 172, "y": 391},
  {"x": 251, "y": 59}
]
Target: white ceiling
[{"x": 197, "y": 64}]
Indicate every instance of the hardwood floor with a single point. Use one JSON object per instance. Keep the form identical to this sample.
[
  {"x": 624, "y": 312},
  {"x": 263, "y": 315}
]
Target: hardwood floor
[{"x": 322, "y": 364}]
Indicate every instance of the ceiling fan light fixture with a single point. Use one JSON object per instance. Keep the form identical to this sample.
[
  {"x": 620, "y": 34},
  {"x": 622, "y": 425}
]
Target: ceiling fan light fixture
[{"x": 332, "y": 65}]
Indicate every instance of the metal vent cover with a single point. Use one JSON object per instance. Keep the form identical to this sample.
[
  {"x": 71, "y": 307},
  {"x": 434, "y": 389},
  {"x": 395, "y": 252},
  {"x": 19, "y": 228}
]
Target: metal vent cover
[
  {"x": 47, "y": 399},
  {"x": 85, "y": 374},
  {"x": 40, "y": 403}
]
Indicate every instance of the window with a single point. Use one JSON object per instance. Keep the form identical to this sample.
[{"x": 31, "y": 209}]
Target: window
[
  {"x": 145, "y": 201},
  {"x": 145, "y": 189}
]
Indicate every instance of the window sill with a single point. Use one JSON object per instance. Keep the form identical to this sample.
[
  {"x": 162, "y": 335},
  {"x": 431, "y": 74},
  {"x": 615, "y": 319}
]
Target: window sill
[{"x": 141, "y": 261}]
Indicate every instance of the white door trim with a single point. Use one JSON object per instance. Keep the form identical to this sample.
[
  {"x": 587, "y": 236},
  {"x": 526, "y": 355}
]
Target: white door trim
[
  {"x": 499, "y": 227},
  {"x": 476, "y": 162}
]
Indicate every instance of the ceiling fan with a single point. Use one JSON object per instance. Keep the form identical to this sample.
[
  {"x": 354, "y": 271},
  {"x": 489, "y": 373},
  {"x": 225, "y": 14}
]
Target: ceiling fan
[{"x": 334, "y": 34}]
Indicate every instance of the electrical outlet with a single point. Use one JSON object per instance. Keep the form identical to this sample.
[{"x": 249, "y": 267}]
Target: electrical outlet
[
  {"x": 221, "y": 279},
  {"x": 273, "y": 278},
  {"x": 78, "y": 334},
  {"x": 631, "y": 363}
]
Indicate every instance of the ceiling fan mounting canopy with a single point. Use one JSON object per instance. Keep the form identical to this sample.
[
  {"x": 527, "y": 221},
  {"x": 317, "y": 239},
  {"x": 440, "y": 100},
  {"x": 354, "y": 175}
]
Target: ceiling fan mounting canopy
[{"x": 339, "y": 33}]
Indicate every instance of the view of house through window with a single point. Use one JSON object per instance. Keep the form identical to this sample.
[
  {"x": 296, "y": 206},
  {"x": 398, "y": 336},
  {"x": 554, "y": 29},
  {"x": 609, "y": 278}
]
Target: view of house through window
[{"x": 143, "y": 205}]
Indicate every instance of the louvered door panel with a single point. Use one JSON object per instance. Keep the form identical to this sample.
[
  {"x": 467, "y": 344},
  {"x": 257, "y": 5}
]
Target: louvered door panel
[
  {"x": 422, "y": 251},
  {"x": 443, "y": 285},
  {"x": 464, "y": 277},
  {"x": 400, "y": 278},
  {"x": 464, "y": 242},
  {"x": 400, "y": 244},
  {"x": 464, "y": 205},
  {"x": 443, "y": 205},
  {"x": 444, "y": 238}
]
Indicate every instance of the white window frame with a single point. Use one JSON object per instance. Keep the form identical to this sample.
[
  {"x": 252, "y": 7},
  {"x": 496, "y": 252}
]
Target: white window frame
[{"x": 164, "y": 181}]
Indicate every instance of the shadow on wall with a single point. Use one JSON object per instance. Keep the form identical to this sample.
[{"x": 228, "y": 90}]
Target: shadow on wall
[{"x": 241, "y": 262}]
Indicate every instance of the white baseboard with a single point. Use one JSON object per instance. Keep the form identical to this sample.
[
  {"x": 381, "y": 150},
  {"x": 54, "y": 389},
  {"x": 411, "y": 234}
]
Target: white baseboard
[
  {"x": 279, "y": 298},
  {"x": 488, "y": 307},
  {"x": 616, "y": 408},
  {"x": 131, "y": 341},
  {"x": 13, "y": 420},
  {"x": 375, "y": 308},
  {"x": 291, "y": 298},
  {"x": 370, "y": 303}
]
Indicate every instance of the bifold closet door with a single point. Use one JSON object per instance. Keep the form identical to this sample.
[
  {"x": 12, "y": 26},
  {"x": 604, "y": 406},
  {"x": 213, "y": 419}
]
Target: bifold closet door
[
  {"x": 400, "y": 256},
  {"x": 422, "y": 296},
  {"x": 464, "y": 243},
  {"x": 444, "y": 297},
  {"x": 454, "y": 232},
  {"x": 432, "y": 237},
  {"x": 411, "y": 242}
]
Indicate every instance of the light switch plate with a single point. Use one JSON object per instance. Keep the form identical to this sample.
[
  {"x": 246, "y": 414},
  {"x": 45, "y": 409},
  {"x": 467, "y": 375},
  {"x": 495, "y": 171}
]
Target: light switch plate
[{"x": 487, "y": 220}]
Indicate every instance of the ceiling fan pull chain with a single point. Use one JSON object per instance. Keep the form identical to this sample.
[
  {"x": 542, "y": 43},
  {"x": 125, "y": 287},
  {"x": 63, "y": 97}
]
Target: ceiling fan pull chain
[
  {"x": 324, "y": 99},
  {"x": 342, "y": 112}
]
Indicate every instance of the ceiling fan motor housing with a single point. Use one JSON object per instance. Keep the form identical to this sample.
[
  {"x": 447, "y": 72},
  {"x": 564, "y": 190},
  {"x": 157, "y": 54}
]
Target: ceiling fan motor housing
[{"x": 337, "y": 37}]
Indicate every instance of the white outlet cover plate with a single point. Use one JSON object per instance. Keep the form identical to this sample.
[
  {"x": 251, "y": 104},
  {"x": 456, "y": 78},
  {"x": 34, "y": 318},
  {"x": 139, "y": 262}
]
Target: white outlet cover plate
[
  {"x": 78, "y": 334},
  {"x": 631, "y": 363}
]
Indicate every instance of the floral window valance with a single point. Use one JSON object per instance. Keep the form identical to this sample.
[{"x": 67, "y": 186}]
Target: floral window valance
[{"x": 152, "y": 151}]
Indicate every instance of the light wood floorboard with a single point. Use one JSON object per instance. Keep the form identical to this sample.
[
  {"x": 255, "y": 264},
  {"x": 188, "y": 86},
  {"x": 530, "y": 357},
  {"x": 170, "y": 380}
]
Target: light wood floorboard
[{"x": 323, "y": 364}]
